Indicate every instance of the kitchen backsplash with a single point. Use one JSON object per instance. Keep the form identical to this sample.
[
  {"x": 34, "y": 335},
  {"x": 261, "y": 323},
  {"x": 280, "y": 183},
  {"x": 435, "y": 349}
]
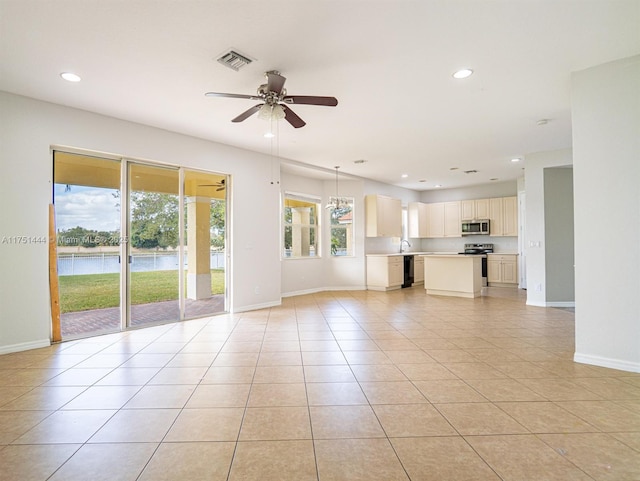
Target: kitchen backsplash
[
  {"x": 456, "y": 244},
  {"x": 387, "y": 245}
]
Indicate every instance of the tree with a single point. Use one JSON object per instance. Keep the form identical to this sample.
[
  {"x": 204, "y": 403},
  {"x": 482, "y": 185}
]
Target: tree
[
  {"x": 154, "y": 220},
  {"x": 218, "y": 219}
]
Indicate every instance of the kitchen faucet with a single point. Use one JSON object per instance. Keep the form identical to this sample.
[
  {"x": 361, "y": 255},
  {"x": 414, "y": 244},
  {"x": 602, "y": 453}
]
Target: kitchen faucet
[{"x": 402, "y": 243}]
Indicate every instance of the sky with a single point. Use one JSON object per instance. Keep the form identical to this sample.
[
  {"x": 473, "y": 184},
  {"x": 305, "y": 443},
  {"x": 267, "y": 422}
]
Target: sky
[{"x": 93, "y": 208}]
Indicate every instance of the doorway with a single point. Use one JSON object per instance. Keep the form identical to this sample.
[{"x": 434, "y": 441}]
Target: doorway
[{"x": 138, "y": 243}]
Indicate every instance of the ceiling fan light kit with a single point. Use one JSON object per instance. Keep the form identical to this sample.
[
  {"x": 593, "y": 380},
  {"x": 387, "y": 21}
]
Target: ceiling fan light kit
[
  {"x": 271, "y": 112},
  {"x": 274, "y": 101}
]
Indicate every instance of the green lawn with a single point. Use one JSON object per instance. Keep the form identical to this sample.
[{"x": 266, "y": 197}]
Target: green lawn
[{"x": 96, "y": 291}]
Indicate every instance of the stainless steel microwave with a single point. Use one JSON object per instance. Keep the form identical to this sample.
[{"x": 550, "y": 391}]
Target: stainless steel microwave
[{"x": 475, "y": 227}]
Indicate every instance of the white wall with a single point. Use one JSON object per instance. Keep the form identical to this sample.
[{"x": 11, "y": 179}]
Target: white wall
[
  {"x": 606, "y": 146},
  {"x": 29, "y": 128},
  {"x": 535, "y": 221},
  {"x": 326, "y": 272}
]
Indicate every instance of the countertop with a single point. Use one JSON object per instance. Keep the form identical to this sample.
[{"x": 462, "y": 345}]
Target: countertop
[
  {"x": 393, "y": 254},
  {"x": 412, "y": 253},
  {"x": 455, "y": 255}
]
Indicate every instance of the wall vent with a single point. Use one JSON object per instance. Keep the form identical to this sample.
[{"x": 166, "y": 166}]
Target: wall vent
[{"x": 234, "y": 60}]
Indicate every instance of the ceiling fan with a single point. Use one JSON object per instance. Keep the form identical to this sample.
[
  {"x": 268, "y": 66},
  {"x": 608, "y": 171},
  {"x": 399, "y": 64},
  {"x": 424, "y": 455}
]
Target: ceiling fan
[
  {"x": 219, "y": 185},
  {"x": 274, "y": 101}
]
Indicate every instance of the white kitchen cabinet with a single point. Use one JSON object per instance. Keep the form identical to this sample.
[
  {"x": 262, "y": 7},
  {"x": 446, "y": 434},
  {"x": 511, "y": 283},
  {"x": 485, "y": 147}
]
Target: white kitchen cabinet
[
  {"x": 436, "y": 220},
  {"x": 474, "y": 209},
  {"x": 385, "y": 273},
  {"x": 482, "y": 208},
  {"x": 383, "y": 216},
  {"x": 502, "y": 270},
  {"x": 444, "y": 219},
  {"x": 510, "y": 216},
  {"x": 452, "y": 219},
  {"x": 418, "y": 270},
  {"x": 468, "y": 209},
  {"x": 418, "y": 219},
  {"x": 503, "y": 216}
]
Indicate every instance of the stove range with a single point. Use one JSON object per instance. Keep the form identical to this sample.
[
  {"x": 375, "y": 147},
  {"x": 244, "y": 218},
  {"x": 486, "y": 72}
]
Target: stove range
[
  {"x": 480, "y": 249},
  {"x": 477, "y": 249}
]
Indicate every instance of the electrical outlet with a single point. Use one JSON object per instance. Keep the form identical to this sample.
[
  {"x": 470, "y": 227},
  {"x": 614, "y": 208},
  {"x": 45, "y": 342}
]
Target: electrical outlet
[
  {"x": 539, "y": 287},
  {"x": 256, "y": 290}
]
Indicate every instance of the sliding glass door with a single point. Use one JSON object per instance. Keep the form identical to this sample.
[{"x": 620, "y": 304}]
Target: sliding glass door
[
  {"x": 205, "y": 246},
  {"x": 154, "y": 241},
  {"x": 87, "y": 201},
  {"x": 137, "y": 243}
]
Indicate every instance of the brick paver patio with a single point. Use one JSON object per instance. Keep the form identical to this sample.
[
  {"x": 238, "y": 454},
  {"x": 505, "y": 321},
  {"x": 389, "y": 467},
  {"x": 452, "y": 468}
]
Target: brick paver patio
[{"x": 97, "y": 321}]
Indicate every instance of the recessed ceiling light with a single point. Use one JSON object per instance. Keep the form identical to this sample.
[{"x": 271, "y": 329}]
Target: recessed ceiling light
[
  {"x": 422, "y": 180},
  {"x": 438, "y": 185},
  {"x": 495, "y": 178},
  {"x": 454, "y": 168},
  {"x": 404, "y": 176},
  {"x": 361, "y": 161},
  {"x": 269, "y": 135},
  {"x": 516, "y": 159},
  {"x": 70, "y": 77},
  {"x": 463, "y": 73}
]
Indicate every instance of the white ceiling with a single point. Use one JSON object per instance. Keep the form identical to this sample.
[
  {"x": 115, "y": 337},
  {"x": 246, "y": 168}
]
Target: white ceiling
[{"x": 388, "y": 62}]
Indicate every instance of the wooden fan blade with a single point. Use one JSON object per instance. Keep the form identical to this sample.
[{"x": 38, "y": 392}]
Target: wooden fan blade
[
  {"x": 310, "y": 100},
  {"x": 291, "y": 117},
  {"x": 275, "y": 82},
  {"x": 232, "y": 96},
  {"x": 247, "y": 113}
]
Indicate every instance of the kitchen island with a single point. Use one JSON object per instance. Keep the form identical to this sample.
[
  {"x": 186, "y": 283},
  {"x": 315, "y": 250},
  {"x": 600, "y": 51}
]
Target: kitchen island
[{"x": 453, "y": 275}]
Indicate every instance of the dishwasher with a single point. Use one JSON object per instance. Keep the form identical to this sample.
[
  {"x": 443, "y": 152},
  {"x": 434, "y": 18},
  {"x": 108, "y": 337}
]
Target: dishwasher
[{"x": 408, "y": 271}]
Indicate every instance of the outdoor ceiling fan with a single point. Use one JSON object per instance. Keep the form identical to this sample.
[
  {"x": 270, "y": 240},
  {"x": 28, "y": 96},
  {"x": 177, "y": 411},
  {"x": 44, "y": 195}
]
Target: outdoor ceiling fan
[
  {"x": 219, "y": 185},
  {"x": 274, "y": 101}
]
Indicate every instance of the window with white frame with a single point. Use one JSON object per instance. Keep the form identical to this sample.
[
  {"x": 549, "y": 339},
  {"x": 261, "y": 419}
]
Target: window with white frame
[
  {"x": 301, "y": 226},
  {"x": 341, "y": 215}
]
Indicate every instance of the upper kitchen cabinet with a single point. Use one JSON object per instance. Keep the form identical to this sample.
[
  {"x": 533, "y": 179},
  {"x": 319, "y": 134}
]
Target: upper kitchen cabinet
[
  {"x": 436, "y": 220},
  {"x": 418, "y": 219},
  {"x": 474, "y": 209},
  {"x": 444, "y": 219},
  {"x": 383, "y": 216},
  {"x": 503, "y": 216},
  {"x": 452, "y": 219}
]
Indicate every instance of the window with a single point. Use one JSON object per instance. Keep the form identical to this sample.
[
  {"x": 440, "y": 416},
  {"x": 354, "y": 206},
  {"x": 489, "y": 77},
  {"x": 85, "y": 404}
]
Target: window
[
  {"x": 342, "y": 226},
  {"x": 301, "y": 233}
]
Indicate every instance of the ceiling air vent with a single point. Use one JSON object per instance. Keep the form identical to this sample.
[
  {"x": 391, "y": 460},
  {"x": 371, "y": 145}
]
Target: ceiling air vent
[{"x": 234, "y": 60}]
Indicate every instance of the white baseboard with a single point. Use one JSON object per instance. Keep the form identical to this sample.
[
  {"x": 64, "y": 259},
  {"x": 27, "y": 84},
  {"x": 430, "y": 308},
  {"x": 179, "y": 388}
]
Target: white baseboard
[
  {"x": 619, "y": 364},
  {"x": 536, "y": 303},
  {"x": 303, "y": 292},
  {"x": 25, "y": 346},
  {"x": 254, "y": 307},
  {"x": 562, "y": 304},
  {"x": 551, "y": 304},
  {"x": 323, "y": 289}
]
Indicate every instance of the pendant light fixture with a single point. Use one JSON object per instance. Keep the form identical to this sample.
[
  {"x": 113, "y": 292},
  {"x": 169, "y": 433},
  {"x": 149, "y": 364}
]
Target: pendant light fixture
[{"x": 337, "y": 202}]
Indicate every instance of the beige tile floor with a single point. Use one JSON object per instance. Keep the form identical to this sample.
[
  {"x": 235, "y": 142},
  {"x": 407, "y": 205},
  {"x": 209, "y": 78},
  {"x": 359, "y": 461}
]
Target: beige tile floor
[{"x": 335, "y": 386}]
